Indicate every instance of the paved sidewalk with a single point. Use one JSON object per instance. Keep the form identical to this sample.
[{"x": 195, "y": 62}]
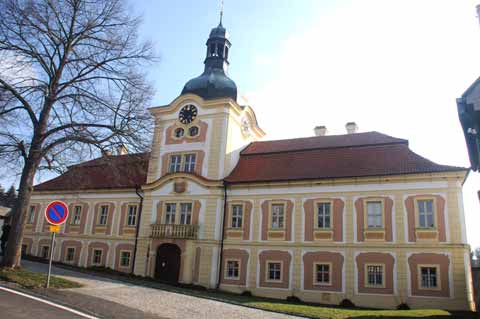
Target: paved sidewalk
[{"x": 154, "y": 301}]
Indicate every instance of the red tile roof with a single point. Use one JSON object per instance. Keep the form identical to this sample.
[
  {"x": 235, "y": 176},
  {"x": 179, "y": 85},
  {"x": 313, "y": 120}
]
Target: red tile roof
[
  {"x": 110, "y": 172},
  {"x": 325, "y": 157}
]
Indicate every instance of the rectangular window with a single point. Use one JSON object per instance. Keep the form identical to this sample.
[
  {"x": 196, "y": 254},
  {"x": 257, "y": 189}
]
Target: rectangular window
[
  {"x": 132, "y": 215},
  {"x": 31, "y": 215},
  {"x": 185, "y": 213},
  {"x": 237, "y": 216},
  {"x": 97, "y": 257},
  {"x": 324, "y": 215},
  {"x": 102, "y": 220},
  {"x": 278, "y": 216},
  {"x": 175, "y": 162},
  {"x": 374, "y": 215},
  {"x": 125, "y": 259},
  {"x": 322, "y": 273},
  {"x": 170, "y": 211},
  {"x": 45, "y": 252},
  {"x": 77, "y": 215},
  {"x": 425, "y": 213},
  {"x": 429, "y": 277},
  {"x": 233, "y": 269},
  {"x": 375, "y": 275},
  {"x": 24, "y": 250},
  {"x": 189, "y": 165},
  {"x": 70, "y": 254},
  {"x": 274, "y": 271}
]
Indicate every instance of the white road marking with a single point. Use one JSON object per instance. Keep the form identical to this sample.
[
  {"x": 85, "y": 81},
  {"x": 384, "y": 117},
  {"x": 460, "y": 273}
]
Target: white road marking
[{"x": 49, "y": 303}]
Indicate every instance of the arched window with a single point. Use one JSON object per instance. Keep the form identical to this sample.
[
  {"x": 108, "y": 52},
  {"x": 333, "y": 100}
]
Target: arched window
[
  {"x": 226, "y": 53},
  {"x": 220, "y": 50}
]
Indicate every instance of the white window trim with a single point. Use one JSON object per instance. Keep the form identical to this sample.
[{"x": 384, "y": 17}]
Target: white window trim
[
  {"x": 267, "y": 271},
  {"x": 93, "y": 256},
  {"x": 419, "y": 277},
  {"x": 330, "y": 271},
  {"x": 226, "y": 276},
  {"x": 369, "y": 285}
]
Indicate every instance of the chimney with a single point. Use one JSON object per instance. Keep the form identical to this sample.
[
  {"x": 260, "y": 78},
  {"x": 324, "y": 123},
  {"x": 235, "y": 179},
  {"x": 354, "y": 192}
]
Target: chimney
[
  {"x": 478, "y": 12},
  {"x": 122, "y": 149},
  {"x": 320, "y": 130},
  {"x": 106, "y": 153},
  {"x": 351, "y": 127}
]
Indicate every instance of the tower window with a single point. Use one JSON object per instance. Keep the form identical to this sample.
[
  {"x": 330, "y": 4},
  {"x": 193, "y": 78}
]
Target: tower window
[
  {"x": 226, "y": 53},
  {"x": 193, "y": 131},
  {"x": 179, "y": 132},
  {"x": 219, "y": 50},
  {"x": 211, "y": 50}
]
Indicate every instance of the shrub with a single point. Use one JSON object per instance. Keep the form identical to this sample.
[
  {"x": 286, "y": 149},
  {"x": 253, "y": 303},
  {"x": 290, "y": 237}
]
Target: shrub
[
  {"x": 403, "y": 306},
  {"x": 346, "y": 303},
  {"x": 294, "y": 299}
]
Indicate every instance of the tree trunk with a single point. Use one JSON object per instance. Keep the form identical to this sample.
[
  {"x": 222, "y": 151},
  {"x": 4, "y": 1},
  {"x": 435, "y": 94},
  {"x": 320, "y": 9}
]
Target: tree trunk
[{"x": 19, "y": 211}]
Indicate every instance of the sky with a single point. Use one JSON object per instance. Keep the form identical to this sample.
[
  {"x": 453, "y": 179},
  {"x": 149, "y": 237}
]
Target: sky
[{"x": 391, "y": 66}]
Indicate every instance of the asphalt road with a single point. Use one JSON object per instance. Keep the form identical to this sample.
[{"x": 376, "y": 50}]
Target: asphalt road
[{"x": 13, "y": 306}]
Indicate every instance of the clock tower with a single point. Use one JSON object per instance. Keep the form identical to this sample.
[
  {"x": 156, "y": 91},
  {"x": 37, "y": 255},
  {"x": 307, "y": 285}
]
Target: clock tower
[{"x": 204, "y": 129}]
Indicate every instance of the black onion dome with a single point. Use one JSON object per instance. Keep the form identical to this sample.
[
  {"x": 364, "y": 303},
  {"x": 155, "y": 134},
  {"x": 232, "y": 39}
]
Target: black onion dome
[
  {"x": 214, "y": 82},
  {"x": 211, "y": 85}
]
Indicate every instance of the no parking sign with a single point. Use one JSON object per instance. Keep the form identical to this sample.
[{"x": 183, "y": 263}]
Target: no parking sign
[{"x": 56, "y": 212}]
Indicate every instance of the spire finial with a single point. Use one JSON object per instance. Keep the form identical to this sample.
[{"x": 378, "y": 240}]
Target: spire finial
[{"x": 221, "y": 12}]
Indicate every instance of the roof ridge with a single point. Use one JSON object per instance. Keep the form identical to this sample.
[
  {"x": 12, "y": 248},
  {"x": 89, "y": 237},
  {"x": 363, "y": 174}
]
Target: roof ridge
[{"x": 322, "y": 148}]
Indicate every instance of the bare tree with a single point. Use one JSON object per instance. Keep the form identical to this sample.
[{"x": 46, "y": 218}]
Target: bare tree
[{"x": 71, "y": 84}]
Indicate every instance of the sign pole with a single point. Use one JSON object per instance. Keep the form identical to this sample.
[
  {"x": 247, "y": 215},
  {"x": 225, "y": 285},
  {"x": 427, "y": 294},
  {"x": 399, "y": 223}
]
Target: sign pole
[
  {"x": 56, "y": 214},
  {"x": 52, "y": 248}
]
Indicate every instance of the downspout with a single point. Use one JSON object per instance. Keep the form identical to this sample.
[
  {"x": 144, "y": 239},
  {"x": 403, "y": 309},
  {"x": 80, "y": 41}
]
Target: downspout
[
  {"x": 137, "y": 230},
  {"x": 223, "y": 233}
]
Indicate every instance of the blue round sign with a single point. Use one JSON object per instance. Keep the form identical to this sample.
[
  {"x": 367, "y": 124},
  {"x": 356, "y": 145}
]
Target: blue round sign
[{"x": 56, "y": 212}]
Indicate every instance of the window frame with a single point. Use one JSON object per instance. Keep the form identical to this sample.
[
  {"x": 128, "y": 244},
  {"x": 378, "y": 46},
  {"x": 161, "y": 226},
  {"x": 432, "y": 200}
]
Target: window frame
[
  {"x": 177, "y": 214},
  {"x": 417, "y": 212},
  {"x": 242, "y": 217},
  {"x": 382, "y": 210},
  {"x": 121, "y": 258},
  {"x": 192, "y": 127},
  {"x": 178, "y": 166},
  {"x": 93, "y": 256},
  {"x": 366, "y": 283},
  {"x": 316, "y": 206},
  {"x": 189, "y": 216},
  {"x": 191, "y": 166},
  {"x": 100, "y": 215},
  {"x": 74, "y": 215},
  {"x": 270, "y": 219},
  {"x": 42, "y": 248},
  {"x": 226, "y": 275},
  {"x": 438, "y": 275},
  {"x": 315, "y": 272},
  {"x": 267, "y": 271},
  {"x": 127, "y": 217},
  {"x": 67, "y": 249},
  {"x": 167, "y": 213},
  {"x": 31, "y": 215}
]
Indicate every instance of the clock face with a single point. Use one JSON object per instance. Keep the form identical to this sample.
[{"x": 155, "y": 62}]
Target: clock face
[{"x": 187, "y": 114}]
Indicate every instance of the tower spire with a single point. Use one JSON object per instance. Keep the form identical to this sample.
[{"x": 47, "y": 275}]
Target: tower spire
[{"x": 221, "y": 12}]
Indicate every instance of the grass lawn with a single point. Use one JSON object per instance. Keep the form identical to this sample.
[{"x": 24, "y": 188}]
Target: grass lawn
[
  {"x": 302, "y": 309},
  {"x": 331, "y": 312},
  {"x": 30, "y": 280}
]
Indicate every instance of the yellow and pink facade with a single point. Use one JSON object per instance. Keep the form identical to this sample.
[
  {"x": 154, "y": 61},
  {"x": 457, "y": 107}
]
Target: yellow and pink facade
[{"x": 356, "y": 216}]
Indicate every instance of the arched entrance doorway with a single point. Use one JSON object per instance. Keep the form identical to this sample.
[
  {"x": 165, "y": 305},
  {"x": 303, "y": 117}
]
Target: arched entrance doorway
[{"x": 167, "y": 267}]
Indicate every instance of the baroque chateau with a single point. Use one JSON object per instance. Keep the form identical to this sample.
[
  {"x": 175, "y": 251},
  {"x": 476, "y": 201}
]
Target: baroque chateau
[{"x": 357, "y": 216}]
